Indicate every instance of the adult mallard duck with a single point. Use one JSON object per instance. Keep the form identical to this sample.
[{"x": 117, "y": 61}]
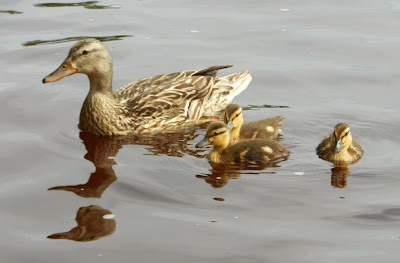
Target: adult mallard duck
[
  {"x": 339, "y": 147},
  {"x": 146, "y": 106},
  {"x": 248, "y": 151},
  {"x": 261, "y": 129}
]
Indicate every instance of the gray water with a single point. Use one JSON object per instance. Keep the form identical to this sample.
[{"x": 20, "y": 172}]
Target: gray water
[{"x": 326, "y": 62}]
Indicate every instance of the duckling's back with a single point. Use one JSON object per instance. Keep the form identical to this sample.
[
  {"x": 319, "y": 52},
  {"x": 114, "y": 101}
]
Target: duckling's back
[
  {"x": 262, "y": 129},
  {"x": 254, "y": 151}
]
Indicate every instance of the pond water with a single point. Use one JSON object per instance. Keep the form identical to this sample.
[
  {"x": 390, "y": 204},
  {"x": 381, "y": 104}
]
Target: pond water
[{"x": 158, "y": 200}]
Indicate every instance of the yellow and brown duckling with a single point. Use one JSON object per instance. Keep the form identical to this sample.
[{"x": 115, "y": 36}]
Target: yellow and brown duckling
[
  {"x": 164, "y": 103},
  {"x": 248, "y": 151},
  {"x": 262, "y": 129},
  {"x": 339, "y": 147}
]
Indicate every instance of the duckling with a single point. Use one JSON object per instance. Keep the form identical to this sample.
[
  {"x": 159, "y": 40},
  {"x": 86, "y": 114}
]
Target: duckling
[
  {"x": 148, "y": 106},
  {"x": 340, "y": 147},
  {"x": 248, "y": 151},
  {"x": 262, "y": 129}
]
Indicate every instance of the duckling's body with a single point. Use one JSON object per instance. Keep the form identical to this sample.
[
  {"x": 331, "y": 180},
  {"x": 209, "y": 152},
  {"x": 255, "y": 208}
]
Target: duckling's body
[
  {"x": 247, "y": 151},
  {"x": 269, "y": 129},
  {"x": 340, "y": 147},
  {"x": 153, "y": 105}
]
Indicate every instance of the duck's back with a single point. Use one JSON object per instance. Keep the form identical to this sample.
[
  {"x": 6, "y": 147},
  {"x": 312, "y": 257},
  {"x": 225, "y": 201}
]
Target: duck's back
[
  {"x": 262, "y": 129},
  {"x": 254, "y": 151}
]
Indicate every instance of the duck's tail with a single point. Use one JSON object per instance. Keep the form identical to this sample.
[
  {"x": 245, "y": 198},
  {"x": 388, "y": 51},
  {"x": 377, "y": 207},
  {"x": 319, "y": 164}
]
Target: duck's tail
[{"x": 224, "y": 90}]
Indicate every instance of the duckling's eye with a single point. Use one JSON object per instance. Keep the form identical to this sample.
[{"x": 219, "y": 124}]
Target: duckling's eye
[
  {"x": 346, "y": 134},
  {"x": 85, "y": 52},
  {"x": 217, "y": 133},
  {"x": 237, "y": 115}
]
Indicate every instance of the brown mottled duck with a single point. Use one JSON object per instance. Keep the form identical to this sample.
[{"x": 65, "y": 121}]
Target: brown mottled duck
[
  {"x": 147, "y": 106},
  {"x": 244, "y": 152},
  {"x": 339, "y": 147},
  {"x": 262, "y": 129}
]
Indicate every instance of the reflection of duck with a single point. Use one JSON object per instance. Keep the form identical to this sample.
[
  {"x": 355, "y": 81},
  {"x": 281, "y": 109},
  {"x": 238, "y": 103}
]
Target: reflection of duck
[
  {"x": 339, "y": 177},
  {"x": 101, "y": 151},
  {"x": 339, "y": 147},
  {"x": 158, "y": 104},
  {"x": 93, "y": 222},
  {"x": 220, "y": 174},
  {"x": 250, "y": 151},
  {"x": 262, "y": 129}
]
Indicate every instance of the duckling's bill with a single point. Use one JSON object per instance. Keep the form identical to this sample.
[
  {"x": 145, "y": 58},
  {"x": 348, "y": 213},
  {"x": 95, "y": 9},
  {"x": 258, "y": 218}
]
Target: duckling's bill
[
  {"x": 339, "y": 145},
  {"x": 203, "y": 143},
  {"x": 64, "y": 70}
]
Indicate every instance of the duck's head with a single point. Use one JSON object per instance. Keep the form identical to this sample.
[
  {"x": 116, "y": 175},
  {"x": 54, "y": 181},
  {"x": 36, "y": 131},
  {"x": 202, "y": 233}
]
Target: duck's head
[
  {"x": 342, "y": 137},
  {"x": 233, "y": 115},
  {"x": 88, "y": 56},
  {"x": 217, "y": 135}
]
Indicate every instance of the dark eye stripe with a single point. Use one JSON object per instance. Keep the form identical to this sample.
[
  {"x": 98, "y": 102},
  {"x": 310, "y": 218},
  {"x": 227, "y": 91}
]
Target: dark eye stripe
[{"x": 217, "y": 133}]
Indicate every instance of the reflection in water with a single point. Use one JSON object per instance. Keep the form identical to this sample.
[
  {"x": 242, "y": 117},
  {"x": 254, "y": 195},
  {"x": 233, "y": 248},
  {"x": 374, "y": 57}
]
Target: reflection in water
[
  {"x": 11, "y": 12},
  {"x": 94, "y": 223},
  {"x": 68, "y": 39},
  {"x": 339, "y": 176},
  {"x": 265, "y": 106},
  {"x": 221, "y": 173},
  {"x": 98, "y": 182},
  {"x": 101, "y": 151},
  {"x": 87, "y": 4}
]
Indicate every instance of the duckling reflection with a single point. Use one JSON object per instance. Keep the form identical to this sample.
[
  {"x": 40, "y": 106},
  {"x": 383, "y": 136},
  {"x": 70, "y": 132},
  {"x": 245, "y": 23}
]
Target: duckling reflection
[
  {"x": 262, "y": 129},
  {"x": 101, "y": 151},
  {"x": 339, "y": 148},
  {"x": 93, "y": 222},
  {"x": 220, "y": 174},
  {"x": 339, "y": 177}
]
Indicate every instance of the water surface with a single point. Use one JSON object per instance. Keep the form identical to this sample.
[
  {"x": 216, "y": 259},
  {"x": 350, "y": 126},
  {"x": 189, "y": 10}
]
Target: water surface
[{"x": 316, "y": 63}]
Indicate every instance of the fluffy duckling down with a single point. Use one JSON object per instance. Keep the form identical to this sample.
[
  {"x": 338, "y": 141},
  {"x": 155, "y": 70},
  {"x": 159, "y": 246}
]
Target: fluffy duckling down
[
  {"x": 244, "y": 152},
  {"x": 339, "y": 147}
]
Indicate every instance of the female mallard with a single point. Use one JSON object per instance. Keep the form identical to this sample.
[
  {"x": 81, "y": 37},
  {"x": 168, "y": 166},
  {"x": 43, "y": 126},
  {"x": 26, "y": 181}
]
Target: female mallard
[
  {"x": 340, "y": 147},
  {"x": 158, "y": 104},
  {"x": 262, "y": 129},
  {"x": 248, "y": 151}
]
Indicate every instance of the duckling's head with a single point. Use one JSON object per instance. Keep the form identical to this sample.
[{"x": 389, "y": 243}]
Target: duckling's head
[
  {"x": 217, "y": 135},
  {"x": 88, "y": 56},
  {"x": 342, "y": 137},
  {"x": 233, "y": 115}
]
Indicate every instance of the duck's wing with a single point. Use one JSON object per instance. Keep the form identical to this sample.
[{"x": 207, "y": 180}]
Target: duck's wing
[
  {"x": 143, "y": 85},
  {"x": 219, "y": 94},
  {"x": 180, "y": 97},
  {"x": 356, "y": 150},
  {"x": 324, "y": 146},
  {"x": 224, "y": 90}
]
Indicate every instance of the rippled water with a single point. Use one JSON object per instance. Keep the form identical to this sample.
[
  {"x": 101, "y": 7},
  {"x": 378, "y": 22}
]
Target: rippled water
[{"x": 316, "y": 63}]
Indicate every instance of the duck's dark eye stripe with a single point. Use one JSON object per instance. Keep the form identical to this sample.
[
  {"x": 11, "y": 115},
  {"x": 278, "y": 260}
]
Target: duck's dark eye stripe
[
  {"x": 238, "y": 114},
  {"x": 217, "y": 133},
  {"x": 85, "y": 52}
]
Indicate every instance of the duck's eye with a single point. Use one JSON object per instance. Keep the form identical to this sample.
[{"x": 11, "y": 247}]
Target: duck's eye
[
  {"x": 346, "y": 134},
  {"x": 237, "y": 115},
  {"x": 217, "y": 133},
  {"x": 85, "y": 52}
]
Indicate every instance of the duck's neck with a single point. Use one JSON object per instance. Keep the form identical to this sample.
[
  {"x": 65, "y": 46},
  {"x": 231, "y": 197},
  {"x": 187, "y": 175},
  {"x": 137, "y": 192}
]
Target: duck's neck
[
  {"x": 235, "y": 132},
  {"x": 101, "y": 83},
  {"x": 101, "y": 114}
]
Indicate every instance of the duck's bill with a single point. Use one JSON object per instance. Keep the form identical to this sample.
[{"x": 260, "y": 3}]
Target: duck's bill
[
  {"x": 203, "y": 143},
  {"x": 339, "y": 146},
  {"x": 64, "y": 70},
  {"x": 230, "y": 125}
]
